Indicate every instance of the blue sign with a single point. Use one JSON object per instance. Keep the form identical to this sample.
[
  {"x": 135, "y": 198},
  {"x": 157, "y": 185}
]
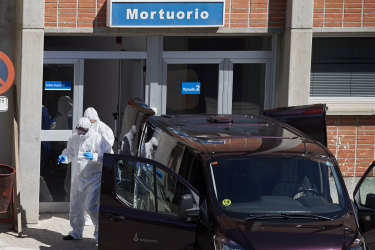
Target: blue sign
[
  {"x": 57, "y": 85},
  {"x": 191, "y": 88},
  {"x": 165, "y": 14}
]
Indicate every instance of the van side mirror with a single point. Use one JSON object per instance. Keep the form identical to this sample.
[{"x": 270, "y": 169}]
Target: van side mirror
[
  {"x": 370, "y": 201},
  {"x": 187, "y": 209}
]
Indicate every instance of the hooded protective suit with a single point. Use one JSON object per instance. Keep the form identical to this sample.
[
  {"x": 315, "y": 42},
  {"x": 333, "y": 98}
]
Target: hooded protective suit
[
  {"x": 99, "y": 126},
  {"x": 86, "y": 176}
]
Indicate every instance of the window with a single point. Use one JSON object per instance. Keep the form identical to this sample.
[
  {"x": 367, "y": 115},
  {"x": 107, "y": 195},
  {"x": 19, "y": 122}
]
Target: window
[
  {"x": 260, "y": 184},
  {"x": 343, "y": 67},
  {"x": 147, "y": 187}
]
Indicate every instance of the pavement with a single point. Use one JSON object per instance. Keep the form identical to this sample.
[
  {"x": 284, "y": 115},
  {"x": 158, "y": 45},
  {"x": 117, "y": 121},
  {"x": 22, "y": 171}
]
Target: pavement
[{"x": 47, "y": 234}]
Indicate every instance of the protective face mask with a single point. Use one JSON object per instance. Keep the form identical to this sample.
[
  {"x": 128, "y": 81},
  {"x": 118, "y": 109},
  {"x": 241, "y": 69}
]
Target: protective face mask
[{"x": 82, "y": 131}]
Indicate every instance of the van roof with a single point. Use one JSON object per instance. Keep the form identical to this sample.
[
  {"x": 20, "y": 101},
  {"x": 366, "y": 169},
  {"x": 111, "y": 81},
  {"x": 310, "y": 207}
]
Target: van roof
[{"x": 222, "y": 134}]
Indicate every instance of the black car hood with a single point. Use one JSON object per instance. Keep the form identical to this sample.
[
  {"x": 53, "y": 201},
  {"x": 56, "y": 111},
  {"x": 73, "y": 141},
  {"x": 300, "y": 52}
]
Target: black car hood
[{"x": 293, "y": 234}]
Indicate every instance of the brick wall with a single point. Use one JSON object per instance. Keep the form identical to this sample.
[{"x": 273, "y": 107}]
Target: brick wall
[
  {"x": 75, "y": 13},
  {"x": 344, "y": 13},
  {"x": 352, "y": 140},
  {"x": 92, "y": 13}
]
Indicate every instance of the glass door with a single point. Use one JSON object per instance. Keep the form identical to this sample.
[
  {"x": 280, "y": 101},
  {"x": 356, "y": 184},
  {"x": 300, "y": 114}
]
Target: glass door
[
  {"x": 223, "y": 86},
  {"x": 192, "y": 86},
  {"x": 249, "y": 86},
  {"x": 62, "y": 97}
]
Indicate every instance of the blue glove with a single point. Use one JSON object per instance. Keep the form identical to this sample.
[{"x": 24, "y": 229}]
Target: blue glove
[
  {"x": 88, "y": 155},
  {"x": 61, "y": 158}
]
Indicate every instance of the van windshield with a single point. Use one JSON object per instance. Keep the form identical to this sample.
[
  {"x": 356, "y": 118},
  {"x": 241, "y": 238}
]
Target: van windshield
[{"x": 261, "y": 185}]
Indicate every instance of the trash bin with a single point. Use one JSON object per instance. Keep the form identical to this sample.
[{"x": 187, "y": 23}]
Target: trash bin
[{"x": 6, "y": 186}]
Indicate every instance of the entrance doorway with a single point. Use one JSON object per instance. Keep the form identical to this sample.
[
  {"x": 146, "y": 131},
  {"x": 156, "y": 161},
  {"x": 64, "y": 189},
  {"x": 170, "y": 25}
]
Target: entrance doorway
[{"x": 70, "y": 85}]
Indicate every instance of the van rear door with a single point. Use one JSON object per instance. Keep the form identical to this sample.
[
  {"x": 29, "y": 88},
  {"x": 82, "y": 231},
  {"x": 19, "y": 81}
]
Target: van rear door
[
  {"x": 135, "y": 114},
  {"x": 364, "y": 200},
  {"x": 145, "y": 205},
  {"x": 309, "y": 119}
]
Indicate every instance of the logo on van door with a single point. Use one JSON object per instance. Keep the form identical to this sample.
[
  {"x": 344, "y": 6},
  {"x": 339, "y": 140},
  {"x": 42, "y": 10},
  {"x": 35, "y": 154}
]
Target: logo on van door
[{"x": 139, "y": 239}]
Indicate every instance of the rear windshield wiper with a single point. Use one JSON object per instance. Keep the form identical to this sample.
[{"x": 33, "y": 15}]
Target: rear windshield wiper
[{"x": 287, "y": 216}]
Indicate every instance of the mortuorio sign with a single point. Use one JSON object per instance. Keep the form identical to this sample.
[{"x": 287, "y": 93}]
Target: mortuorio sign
[{"x": 154, "y": 14}]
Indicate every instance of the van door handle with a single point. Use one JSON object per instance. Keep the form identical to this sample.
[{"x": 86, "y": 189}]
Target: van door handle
[{"x": 114, "y": 217}]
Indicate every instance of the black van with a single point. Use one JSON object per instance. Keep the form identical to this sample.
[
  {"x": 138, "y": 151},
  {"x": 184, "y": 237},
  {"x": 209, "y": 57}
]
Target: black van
[{"x": 230, "y": 182}]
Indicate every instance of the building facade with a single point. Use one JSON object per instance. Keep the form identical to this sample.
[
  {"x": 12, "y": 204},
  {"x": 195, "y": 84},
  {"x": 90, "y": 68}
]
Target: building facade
[{"x": 73, "y": 54}]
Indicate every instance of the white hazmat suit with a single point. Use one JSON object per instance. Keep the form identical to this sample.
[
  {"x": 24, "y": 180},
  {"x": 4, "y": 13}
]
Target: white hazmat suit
[
  {"x": 104, "y": 130},
  {"x": 99, "y": 126},
  {"x": 86, "y": 176}
]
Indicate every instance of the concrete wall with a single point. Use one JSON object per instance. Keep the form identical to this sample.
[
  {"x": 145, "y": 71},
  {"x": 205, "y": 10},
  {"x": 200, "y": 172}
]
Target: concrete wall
[
  {"x": 29, "y": 65},
  {"x": 295, "y": 74}
]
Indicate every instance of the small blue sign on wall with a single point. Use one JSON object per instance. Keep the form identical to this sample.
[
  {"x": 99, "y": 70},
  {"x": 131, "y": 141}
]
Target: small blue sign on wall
[
  {"x": 191, "y": 88},
  {"x": 158, "y": 13},
  {"x": 57, "y": 85}
]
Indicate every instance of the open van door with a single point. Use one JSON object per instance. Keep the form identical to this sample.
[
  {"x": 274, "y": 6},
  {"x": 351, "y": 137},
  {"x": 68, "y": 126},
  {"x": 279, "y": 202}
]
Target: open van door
[
  {"x": 364, "y": 199},
  {"x": 135, "y": 114},
  {"x": 145, "y": 205},
  {"x": 309, "y": 119}
]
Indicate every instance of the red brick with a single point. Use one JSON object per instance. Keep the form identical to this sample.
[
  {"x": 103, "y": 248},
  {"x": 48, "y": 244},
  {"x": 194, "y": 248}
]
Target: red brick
[
  {"x": 259, "y": 10},
  {"x": 367, "y": 24},
  {"x": 50, "y": 19},
  {"x": 239, "y": 20},
  {"x": 333, "y": 15},
  {"x": 261, "y": 6},
  {"x": 64, "y": 15},
  {"x": 259, "y": 15},
  {"x": 50, "y": 5},
  {"x": 259, "y": 1},
  {"x": 336, "y": 10},
  {"x": 239, "y": 15},
  {"x": 237, "y": 25},
  {"x": 86, "y": 10},
  {"x": 50, "y": 24},
  {"x": 87, "y": 1},
  {"x": 353, "y": 10},
  {"x": 67, "y": 20},
  {"x": 67, "y": 24},
  {"x": 85, "y": 24},
  {"x": 353, "y": 5},
  {"x": 67, "y": 10},
  {"x": 351, "y": 20},
  {"x": 86, "y": 15},
  {"x": 87, "y": 5},
  {"x": 67, "y": 5},
  {"x": 86, "y": 20},
  {"x": 333, "y": 1},
  {"x": 240, "y": 6},
  {"x": 259, "y": 25}
]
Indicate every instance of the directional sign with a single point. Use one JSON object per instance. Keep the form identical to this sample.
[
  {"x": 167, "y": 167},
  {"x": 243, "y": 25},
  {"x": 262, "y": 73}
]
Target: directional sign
[
  {"x": 6, "y": 73},
  {"x": 191, "y": 88}
]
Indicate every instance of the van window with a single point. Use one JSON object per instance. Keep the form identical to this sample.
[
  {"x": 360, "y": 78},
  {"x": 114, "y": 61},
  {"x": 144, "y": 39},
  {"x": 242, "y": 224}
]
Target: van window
[
  {"x": 274, "y": 185},
  {"x": 192, "y": 171},
  {"x": 135, "y": 187}
]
